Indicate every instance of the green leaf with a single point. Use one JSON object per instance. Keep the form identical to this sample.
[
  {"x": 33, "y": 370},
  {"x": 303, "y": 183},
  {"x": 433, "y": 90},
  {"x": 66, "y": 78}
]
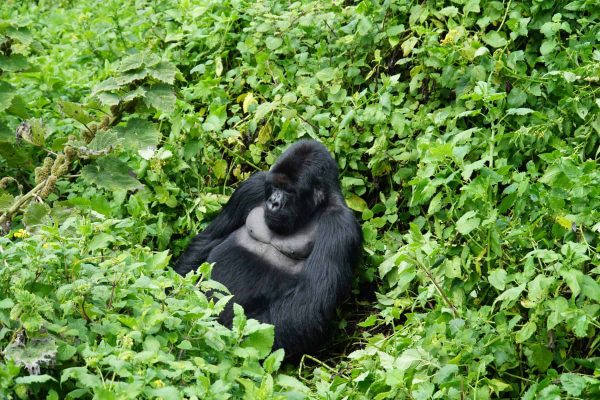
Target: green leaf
[
  {"x": 541, "y": 357},
  {"x": 326, "y": 74},
  {"x": 164, "y": 71},
  {"x": 495, "y": 39},
  {"x": 572, "y": 278},
  {"x": 356, "y": 203},
  {"x": 509, "y": 296},
  {"x": 129, "y": 77},
  {"x": 547, "y": 46},
  {"x": 100, "y": 241},
  {"x": 133, "y": 61},
  {"x": 6, "y": 200},
  {"x": 6, "y": 303},
  {"x": 519, "y": 111},
  {"x": 590, "y": 288},
  {"x": 273, "y": 43},
  {"x": 75, "y": 111},
  {"x": 104, "y": 140},
  {"x": 7, "y": 94},
  {"x": 497, "y": 279},
  {"x": 161, "y": 97},
  {"x": 273, "y": 361},
  {"x": 13, "y": 63},
  {"x": 349, "y": 181},
  {"x": 573, "y": 384},
  {"x": 27, "y": 380},
  {"x": 408, "y": 45},
  {"x": 525, "y": 332},
  {"x": 216, "y": 119},
  {"x": 35, "y": 214},
  {"x": 261, "y": 339},
  {"x": 220, "y": 168},
  {"x": 467, "y": 223},
  {"x": 138, "y": 134},
  {"x": 107, "y": 85},
  {"x": 110, "y": 173}
]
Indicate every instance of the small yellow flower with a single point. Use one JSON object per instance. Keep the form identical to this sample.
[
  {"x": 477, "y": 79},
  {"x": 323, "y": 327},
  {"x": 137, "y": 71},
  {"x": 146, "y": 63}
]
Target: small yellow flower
[
  {"x": 21, "y": 233},
  {"x": 158, "y": 384}
]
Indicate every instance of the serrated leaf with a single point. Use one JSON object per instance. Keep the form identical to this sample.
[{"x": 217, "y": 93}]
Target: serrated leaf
[
  {"x": 525, "y": 332},
  {"x": 107, "y": 85},
  {"x": 164, "y": 71},
  {"x": 75, "y": 111},
  {"x": 547, "y": 46},
  {"x": 104, "y": 140},
  {"x": 110, "y": 173},
  {"x": 26, "y": 380},
  {"x": 248, "y": 101},
  {"x": 138, "y": 134},
  {"x": 7, "y": 94},
  {"x": 129, "y": 77},
  {"x": 408, "y": 45},
  {"x": 573, "y": 384},
  {"x": 509, "y": 296},
  {"x": 100, "y": 241},
  {"x": 273, "y": 43},
  {"x": 6, "y": 200},
  {"x": 216, "y": 119},
  {"x": 519, "y": 111},
  {"x": 467, "y": 223},
  {"x": 37, "y": 133},
  {"x": 35, "y": 213},
  {"x": 6, "y": 303},
  {"x": 495, "y": 39},
  {"x": 356, "y": 203},
  {"x": 161, "y": 97},
  {"x": 13, "y": 63},
  {"x": 20, "y": 34},
  {"x": 326, "y": 74},
  {"x": 263, "y": 109},
  {"x": 220, "y": 168},
  {"x": 150, "y": 59},
  {"x": 497, "y": 279},
  {"x": 133, "y": 61},
  {"x": 108, "y": 99},
  {"x": 590, "y": 288},
  {"x": 261, "y": 339},
  {"x": 137, "y": 93},
  {"x": 541, "y": 357}
]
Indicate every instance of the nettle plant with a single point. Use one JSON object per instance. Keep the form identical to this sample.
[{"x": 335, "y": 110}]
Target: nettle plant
[{"x": 82, "y": 320}]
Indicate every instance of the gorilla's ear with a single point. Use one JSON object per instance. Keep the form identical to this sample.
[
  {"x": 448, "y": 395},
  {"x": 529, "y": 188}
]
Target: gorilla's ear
[{"x": 318, "y": 195}]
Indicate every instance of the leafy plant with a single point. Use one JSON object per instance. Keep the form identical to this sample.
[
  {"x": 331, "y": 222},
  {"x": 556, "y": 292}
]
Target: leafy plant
[{"x": 467, "y": 135}]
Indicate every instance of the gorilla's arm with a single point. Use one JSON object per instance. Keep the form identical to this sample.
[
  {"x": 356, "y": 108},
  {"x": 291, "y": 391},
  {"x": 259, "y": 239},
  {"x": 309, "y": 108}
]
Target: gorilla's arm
[
  {"x": 304, "y": 314},
  {"x": 247, "y": 196}
]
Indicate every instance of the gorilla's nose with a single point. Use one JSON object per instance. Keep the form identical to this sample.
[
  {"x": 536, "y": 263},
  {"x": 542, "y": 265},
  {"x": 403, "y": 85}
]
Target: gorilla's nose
[
  {"x": 273, "y": 204},
  {"x": 275, "y": 201}
]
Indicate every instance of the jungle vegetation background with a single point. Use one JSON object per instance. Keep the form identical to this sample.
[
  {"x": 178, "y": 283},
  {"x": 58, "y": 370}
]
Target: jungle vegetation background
[{"x": 467, "y": 134}]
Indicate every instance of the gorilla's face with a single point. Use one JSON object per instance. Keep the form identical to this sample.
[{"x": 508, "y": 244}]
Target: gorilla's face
[
  {"x": 285, "y": 207},
  {"x": 297, "y": 185}
]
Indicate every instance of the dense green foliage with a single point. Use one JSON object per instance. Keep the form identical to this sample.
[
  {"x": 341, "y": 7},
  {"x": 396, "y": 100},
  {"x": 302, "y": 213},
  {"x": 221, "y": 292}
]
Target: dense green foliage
[{"x": 467, "y": 134}]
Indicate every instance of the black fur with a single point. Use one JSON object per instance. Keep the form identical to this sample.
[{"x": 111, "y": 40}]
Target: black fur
[{"x": 301, "y": 190}]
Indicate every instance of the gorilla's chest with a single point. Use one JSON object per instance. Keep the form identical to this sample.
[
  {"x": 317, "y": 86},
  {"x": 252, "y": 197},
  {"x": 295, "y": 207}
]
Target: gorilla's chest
[{"x": 281, "y": 251}]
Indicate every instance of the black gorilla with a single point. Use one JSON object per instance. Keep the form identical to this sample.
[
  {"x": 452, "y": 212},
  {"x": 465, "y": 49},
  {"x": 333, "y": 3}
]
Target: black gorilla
[{"x": 285, "y": 246}]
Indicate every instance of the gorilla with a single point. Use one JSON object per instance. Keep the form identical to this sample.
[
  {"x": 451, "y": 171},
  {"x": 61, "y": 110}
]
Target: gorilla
[{"x": 285, "y": 246}]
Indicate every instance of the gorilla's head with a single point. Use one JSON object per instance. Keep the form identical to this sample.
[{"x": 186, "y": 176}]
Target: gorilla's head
[{"x": 301, "y": 181}]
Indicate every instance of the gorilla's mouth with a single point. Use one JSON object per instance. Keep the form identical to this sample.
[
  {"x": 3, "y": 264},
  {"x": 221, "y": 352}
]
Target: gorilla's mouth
[{"x": 279, "y": 222}]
